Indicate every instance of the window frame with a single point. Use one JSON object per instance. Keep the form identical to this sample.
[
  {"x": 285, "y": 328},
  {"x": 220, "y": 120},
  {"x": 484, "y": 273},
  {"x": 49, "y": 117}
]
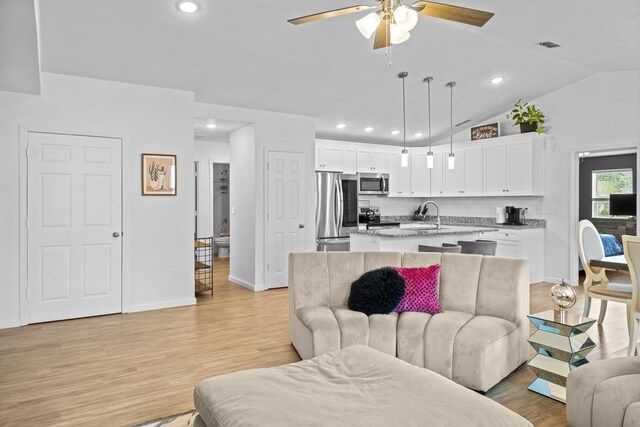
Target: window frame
[{"x": 605, "y": 199}]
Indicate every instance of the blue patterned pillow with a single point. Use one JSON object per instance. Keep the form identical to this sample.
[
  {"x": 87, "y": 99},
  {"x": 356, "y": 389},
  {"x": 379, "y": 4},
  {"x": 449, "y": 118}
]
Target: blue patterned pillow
[{"x": 611, "y": 245}]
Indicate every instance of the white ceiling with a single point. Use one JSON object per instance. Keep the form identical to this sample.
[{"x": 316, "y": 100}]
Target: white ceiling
[
  {"x": 19, "y": 56},
  {"x": 219, "y": 133},
  {"x": 247, "y": 55}
]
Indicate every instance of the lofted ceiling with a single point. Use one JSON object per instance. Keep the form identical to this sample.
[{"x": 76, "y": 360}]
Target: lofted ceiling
[{"x": 247, "y": 55}]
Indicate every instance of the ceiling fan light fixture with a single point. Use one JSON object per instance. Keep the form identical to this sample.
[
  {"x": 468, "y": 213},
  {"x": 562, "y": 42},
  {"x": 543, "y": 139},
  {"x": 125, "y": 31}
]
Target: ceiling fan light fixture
[
  {"x": 368, "y": 24},
  {"x": 405, "y": 17},
  {"x": 398, "y": 35}
]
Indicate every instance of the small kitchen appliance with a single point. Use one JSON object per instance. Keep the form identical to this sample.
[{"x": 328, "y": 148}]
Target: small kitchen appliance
[
  {"x": 501, "y": 215},
  {"x": 515, "y": 216}
]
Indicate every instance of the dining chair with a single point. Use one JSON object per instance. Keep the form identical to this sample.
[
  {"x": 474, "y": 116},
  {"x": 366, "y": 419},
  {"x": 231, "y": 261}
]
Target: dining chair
[
  {"x": 479, "y": 247},
  {"x": 596, "y": 284},
  {"x": 631, "y": 247},
  {"x": 445, "y": 248}
]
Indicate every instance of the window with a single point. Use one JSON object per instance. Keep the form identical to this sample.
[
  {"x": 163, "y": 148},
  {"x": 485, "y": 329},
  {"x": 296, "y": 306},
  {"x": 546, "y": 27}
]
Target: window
[{"x": 606, "y": 182}]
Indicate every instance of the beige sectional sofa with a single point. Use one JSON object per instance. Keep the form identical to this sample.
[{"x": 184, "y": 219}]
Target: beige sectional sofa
[{"x": 478, "y": 339}]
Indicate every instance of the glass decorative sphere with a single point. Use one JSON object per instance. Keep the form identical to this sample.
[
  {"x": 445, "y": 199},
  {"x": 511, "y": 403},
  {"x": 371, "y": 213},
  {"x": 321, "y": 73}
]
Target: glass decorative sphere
[{"x": 563, "y": 295}]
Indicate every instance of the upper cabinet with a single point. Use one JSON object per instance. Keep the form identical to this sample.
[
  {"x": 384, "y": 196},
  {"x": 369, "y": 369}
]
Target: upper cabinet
[
  {"x": 371, "y": 158},
  {"x": 514, "y": 167},
  {"x": 328, "y": 156},
  {"x": 506, "y": 166}
]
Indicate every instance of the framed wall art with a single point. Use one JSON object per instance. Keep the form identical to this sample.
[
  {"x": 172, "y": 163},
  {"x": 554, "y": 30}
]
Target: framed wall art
[{"x": 159, "y": 174}]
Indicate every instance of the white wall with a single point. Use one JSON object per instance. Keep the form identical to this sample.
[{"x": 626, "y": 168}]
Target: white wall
[
  {"x": 158, "y": 231},
  {"x": 206, "y": 152},
  {"x": 600, "y": 111},
  {"x": 273, "y": 131},
  {"x": 242, "y": 201}
]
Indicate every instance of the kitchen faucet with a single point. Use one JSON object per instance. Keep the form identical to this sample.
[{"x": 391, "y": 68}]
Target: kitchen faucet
[{"x": 423, "y": 211}]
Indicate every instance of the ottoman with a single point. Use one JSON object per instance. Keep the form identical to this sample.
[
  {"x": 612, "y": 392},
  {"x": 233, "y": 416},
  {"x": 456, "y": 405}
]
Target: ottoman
[
  {"x": 356, "y": 386},
  {"x": 605, "y": 393}
]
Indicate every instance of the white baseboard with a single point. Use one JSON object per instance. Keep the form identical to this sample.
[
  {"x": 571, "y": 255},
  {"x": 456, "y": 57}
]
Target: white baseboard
[
  {"x": 162, "y": 304},
  {"x": 14, "y": 323},
  {"x": 243, "y": 283},
  {"x": 552, "y": 279}
]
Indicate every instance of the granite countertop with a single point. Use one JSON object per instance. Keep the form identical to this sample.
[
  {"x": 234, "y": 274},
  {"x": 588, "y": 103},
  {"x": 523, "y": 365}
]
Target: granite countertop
[
  {"x": 469, "y": 221},
  {"x": 408, "y": 232}
]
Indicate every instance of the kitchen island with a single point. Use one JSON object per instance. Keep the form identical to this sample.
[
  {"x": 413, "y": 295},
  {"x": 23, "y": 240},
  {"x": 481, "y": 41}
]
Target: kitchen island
[{"x": 408, "y": 239}]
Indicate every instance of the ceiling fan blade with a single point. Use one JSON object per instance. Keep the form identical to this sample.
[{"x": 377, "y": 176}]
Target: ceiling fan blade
[
  {"x": 452, "y": 13},
  {"x": 329, "y": 14},
  {"x": 383, "y": 34}
]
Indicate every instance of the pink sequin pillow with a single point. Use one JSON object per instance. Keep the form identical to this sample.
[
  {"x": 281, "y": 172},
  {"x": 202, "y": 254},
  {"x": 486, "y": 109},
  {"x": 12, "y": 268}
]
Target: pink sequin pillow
[{"x": 421, "y": 289}]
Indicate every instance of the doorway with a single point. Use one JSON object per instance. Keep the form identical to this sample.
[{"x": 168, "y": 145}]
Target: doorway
[
  {"x": 73, "y": 226},
  {"x": 286, "y": 213}
]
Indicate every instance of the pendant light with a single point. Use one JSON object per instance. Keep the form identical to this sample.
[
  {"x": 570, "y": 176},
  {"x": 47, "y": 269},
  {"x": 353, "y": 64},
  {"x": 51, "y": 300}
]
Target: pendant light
[
  {"x": 451, "y": 160},
  {"x": 429, "y": 153},
  {"x": 404, "y": 157}
]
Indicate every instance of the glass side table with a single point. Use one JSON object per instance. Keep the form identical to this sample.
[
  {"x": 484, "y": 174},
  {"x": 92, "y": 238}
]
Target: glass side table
[{"x": 562, "y": 344}]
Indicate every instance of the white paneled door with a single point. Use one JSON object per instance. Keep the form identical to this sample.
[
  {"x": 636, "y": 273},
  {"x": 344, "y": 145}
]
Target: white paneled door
[
  {"x": 74, "y": 222},
  {"x": 286, "y": 214}
]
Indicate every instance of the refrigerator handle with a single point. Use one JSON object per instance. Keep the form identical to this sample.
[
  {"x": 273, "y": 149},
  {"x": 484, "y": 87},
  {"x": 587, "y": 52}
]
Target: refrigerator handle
[{"x": 340, "y": 215}]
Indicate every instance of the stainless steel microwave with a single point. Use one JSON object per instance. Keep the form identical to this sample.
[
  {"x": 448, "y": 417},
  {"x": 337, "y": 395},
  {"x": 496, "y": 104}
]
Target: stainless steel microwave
[{"x": 373, "y": 183}]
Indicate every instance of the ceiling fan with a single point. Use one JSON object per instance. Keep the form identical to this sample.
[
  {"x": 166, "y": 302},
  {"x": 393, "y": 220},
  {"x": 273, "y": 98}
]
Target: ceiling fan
[{"x": 392, "y": 20}]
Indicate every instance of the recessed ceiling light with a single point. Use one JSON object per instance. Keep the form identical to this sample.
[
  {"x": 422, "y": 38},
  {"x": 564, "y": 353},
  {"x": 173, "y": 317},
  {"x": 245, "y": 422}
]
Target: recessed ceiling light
[
  {"x": 341, "y": 125},
  {"x": 418, "y": 134},
  {"x": 395, "y": 132},
  {"x": 188, "y": 6},
  {"x": 368, "y": 129},
  {"x": 211, "y": 125},
  {"x": 497, "y": 80}
]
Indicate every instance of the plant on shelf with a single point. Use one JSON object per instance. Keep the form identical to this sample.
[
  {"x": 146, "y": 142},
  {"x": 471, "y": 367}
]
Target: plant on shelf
[{"x": 529, "y": 117}]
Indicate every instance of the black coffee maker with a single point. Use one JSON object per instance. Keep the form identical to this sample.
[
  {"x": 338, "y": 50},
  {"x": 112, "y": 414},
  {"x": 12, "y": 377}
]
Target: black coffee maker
[{"x": 514, "y": 216}]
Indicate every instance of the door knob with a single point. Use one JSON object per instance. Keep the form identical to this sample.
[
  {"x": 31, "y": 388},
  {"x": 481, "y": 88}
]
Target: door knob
[
  {"x": 116, "y": 234},
  {"x": 300, "y": 225}
]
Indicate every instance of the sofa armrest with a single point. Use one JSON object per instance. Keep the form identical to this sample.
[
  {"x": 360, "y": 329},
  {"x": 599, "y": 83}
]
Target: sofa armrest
[{"x": 322, "y": 324}]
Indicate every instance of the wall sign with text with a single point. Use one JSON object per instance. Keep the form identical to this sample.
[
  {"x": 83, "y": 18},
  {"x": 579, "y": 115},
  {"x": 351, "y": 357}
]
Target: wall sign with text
[{"x": 490, "y": 130}]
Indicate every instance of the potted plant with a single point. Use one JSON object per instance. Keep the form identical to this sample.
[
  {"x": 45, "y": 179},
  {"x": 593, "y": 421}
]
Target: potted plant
[{"x": 529, "y": 117}]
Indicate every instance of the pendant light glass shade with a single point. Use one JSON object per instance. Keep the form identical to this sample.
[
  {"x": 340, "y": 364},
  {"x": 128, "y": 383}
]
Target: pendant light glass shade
[
  {"x": 429, "y": 153},
  {"x": 406, "y": 18},
  {"x": 398, "y": 35},
  {"x": 404, "y": 158},
  {"x": 368, "y": 24},
  {"x": 451, "y": 162},
  {"x": 430, "y": 160}
]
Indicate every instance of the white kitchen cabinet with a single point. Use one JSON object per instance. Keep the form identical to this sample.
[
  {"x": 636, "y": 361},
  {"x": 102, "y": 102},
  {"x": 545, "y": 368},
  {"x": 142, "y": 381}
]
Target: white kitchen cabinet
[
  {"x": 514, "y": 167},
  {"x": 472, "y": 170},
  {"x": 329, "y": 156},
  {"x": 399, "y": 177},
  {"x": 420, "y": 174},
  {"x": 437, "y": 173},
  {"x": 526, "y": 244},
  {"x": 453, "y": 178},
  {"x": 349, "y": 159},
  {"x": 371, "y": 159}
]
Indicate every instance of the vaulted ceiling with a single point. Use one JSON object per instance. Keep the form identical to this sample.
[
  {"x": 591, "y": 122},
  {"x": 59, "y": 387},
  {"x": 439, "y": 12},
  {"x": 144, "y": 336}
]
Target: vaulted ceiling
[{"x": 246, "y": 54}]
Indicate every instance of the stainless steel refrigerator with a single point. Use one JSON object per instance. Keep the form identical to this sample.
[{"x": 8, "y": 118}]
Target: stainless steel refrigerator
[{"x": 336, "y": 210}]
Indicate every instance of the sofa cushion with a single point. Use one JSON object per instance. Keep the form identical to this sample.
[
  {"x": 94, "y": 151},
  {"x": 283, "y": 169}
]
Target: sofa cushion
[
  {"x": 377, "y": 291},
  {"x": 354, "y": 326},
  {"x": 459, "y": 282},
  {"x": 324, "y": 328},
  {"x": 344, "y": 268},
  {"x": 485, "y": 352},
  {"x": 632, "y": 415},
  {"x": 499, "y": 294},
  {"x": 421, "y": 290},
  {"x": 439, "y": 338},
  {"x": 612, "y": 397},
  {"x": 411, "y": 335},
  {"x": 383, "y": 332}
]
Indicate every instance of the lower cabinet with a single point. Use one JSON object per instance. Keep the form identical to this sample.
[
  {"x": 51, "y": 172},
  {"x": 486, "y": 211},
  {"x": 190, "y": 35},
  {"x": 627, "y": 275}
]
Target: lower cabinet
[{"x": 524, "y": 243}]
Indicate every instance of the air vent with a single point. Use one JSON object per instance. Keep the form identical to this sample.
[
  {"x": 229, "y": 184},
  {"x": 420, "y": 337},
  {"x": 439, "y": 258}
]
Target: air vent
[
  {"x": 199, "y": 135},
  {"x": 549, "y": 45},
  {"x": 462, "y": 123}
]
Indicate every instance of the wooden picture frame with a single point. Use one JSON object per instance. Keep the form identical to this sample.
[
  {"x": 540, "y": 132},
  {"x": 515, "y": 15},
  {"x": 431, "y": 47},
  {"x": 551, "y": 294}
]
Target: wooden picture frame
[
  {"x": 485, "y": 131},
  {"x": 159, "y": 174}
]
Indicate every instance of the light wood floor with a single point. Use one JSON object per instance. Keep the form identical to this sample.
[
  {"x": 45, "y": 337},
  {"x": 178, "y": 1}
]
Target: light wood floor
[{"x": 119, "y": 370}]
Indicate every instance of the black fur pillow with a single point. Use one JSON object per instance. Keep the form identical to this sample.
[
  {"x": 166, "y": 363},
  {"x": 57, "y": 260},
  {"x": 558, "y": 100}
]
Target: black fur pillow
[{"x": 377, "y": 291}]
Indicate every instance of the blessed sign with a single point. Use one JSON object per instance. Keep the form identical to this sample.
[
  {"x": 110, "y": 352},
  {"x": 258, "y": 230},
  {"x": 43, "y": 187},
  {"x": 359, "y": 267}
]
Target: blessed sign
[{"x": 491, "y": 130}]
